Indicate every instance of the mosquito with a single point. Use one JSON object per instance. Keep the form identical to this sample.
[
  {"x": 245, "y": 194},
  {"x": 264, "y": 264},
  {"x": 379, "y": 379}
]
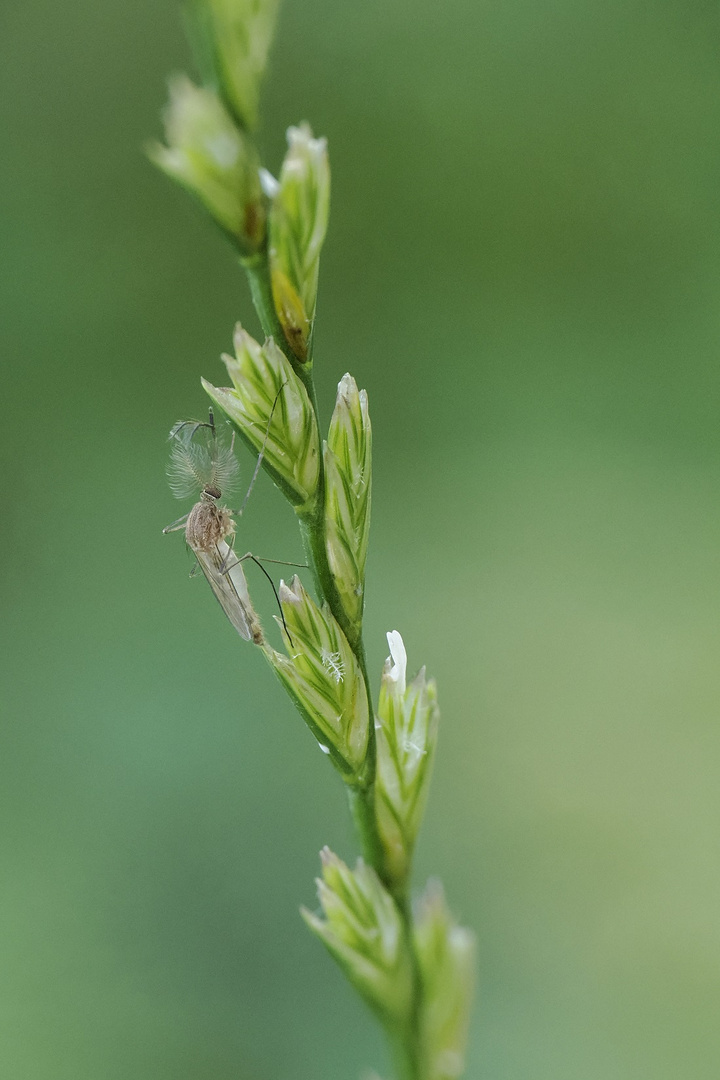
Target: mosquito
[{"x": 211, "y": 467}]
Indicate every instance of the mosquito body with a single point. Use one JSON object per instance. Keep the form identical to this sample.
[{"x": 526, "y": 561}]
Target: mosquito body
[
  {"x": 210, "y": 527},
  {"x": 208, "y": 523}
]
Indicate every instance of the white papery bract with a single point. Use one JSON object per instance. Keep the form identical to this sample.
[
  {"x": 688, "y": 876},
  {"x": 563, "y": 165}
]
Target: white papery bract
[
  {"x": 363, "y": 931},
  {"x": 323, "y": 677},
  {"x": 270, "y": 408},
  {"x": 446, "y": 955},
  {"x": 406, "y": 732},
  {"x": 210, "y": 156},
  {"x": 348, "y": 480},
  {"x": 297, "y": 225}
]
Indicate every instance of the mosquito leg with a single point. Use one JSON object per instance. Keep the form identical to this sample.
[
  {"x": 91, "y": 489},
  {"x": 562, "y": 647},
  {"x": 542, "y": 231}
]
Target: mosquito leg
[
  {"x": 194, "y": 424},
  {"x": 226, "y": 565},
  {"x": 278, "y": 562},
  {"x": 249, "y": 555},
  {"x": 261, "y": 455},
  {"x": 177, "y": 525},
  {"x": 213, "y": 434},
  {"x": 259, "y": 558}
]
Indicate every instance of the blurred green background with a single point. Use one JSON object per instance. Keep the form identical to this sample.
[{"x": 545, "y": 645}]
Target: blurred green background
[{"x": 523, "y": 269}]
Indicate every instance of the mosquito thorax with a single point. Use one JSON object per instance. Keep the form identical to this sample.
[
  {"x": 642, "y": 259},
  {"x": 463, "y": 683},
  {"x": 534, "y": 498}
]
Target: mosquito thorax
[{"x": 208, "y": 524}]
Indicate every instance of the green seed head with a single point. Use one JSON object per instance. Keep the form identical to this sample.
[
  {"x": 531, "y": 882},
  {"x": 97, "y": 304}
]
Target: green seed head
[
  {"x": 271, "y": 410},
  {"x": 406, "y": 738},
  {"x": 298, "y": 223},
  {"x": 322, "y": 675},
  {"x": 362, "y": 930},
  {"x": 210, "y": 156},
  {"x": 348, "y": 472},
  {"x": 237, "y": 35},
  {"x": 446, "y": 955}
]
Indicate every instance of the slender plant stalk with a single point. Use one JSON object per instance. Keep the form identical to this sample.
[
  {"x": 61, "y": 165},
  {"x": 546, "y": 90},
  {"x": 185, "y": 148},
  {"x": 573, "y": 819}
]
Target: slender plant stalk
[{"x": 412, "y": 964}]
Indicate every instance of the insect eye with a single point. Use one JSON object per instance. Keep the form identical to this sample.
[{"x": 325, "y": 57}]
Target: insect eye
[{"x": 212, "y": 491}]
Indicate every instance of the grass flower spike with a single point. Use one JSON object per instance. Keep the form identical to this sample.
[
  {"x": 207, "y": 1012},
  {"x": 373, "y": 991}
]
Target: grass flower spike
[
  {"x": 322, "y": 676},
  {"x": 298, "y": 223},
  {"x": 348, "y": 460},
  {"x": 413, "y": 966},
  {"x": 209, "y": 155},
  {"x": 270, "y": 409},
  {"x": 362, "y": 930},
  {"x": 406, "y": 729}
]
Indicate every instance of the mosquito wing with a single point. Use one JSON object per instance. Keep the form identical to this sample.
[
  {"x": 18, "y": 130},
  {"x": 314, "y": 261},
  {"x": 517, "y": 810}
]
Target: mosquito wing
[{"x": 230, "y": 588}]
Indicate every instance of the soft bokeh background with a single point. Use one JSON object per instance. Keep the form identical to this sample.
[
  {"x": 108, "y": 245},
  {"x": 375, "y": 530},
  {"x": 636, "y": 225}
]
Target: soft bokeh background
[{"x": 523, "y": 269}]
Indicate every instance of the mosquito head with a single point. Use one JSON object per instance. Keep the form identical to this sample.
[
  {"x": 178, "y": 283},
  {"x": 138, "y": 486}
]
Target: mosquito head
[{"x": 211, "y": 493}]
